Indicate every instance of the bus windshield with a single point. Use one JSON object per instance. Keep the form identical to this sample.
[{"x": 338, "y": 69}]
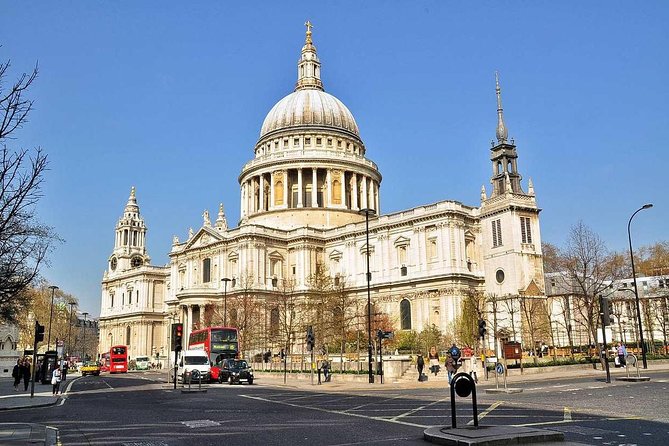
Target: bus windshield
[{"x": 222, "y": 335}]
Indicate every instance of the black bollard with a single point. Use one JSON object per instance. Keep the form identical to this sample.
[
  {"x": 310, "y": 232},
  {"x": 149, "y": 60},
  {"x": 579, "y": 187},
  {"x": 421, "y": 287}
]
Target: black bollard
[{"x": 463, "y": 385}]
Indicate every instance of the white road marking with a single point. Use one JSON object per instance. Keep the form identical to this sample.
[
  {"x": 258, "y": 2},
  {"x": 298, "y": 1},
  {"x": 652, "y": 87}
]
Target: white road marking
[
  {"x": 338, "y": 412},
  {"x": 482, "y": 415},
  {"x": 412, "y": 411},
  {"x": 373, "y": 402}
]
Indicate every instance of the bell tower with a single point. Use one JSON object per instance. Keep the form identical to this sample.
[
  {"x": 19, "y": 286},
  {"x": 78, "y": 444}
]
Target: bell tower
[
  {"x": 511, "y": 239},
  {"x": 130, "y": 239}
]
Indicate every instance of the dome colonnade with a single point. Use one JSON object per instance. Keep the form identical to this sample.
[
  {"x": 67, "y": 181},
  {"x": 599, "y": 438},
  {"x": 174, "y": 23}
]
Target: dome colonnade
[{"x": 309, "y": 160}]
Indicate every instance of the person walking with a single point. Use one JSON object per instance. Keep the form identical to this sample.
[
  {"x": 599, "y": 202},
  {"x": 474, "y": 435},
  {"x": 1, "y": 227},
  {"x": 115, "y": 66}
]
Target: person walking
[
  {"x": 450, "y": 367},
  {"x": 420, "y": 364},
  {"x": 17, "y": 373},
  {"x": 622, "y": 352},
  {"x": 26, "y": 373},
  {"x": 55, "y": 380},
  {"x": 474, "y": 369},
  {"x": 433, "y": 357},
  {"x": 63, "y": 377}
]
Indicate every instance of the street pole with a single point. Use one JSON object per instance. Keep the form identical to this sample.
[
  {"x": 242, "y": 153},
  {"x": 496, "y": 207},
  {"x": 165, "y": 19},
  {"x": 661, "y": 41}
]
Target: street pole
[
  {"x": 367, "y": 213},
  {"x": 83, "y": 346},
  {"x": 636, "y": 291},
  {"x": 53, "y": 293},
  {"x": 225, "y": 281},
  {"x": 69, "y": 328},
  {"x": 603, "y": 351}
]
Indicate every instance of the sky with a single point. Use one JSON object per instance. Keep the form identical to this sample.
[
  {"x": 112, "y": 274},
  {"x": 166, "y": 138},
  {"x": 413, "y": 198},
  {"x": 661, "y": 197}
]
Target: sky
[{"x": 169, "y": 97}]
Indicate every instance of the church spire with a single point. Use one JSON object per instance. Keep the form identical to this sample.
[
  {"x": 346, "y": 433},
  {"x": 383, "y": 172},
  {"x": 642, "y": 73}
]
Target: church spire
[
  {"x": 502, "y": 132},
  {"x": 308, "y": 67},
  {"x": 221, "y": 221},
  {"x": 131, "y": 206}
]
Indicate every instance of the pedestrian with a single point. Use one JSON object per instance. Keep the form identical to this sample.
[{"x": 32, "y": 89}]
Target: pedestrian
[
  {"x": 63, "y": 377},
  {"x": 26, "y": 373},
  {"x": 451, "y": 367},
  {"x": 17, "y": 373},
  {"x": 622, "y": 352},
  {"x": 55, "y": 380},
  {"x": 433, "y": 357},
  {"x": 420, "y": 364},
  {"x": 474, "y": 369},
  {"x": 319, "y": 374}
]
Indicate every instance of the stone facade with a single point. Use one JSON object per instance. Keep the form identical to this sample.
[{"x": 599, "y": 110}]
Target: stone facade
[{"x": 301, "y": 198}]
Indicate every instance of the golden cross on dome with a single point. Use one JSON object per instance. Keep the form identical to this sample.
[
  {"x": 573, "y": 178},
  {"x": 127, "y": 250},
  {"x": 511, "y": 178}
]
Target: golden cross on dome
[{"x": 308, "y": 25}]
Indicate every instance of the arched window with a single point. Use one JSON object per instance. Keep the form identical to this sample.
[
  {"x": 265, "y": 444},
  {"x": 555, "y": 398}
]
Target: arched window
[
  {"x": 274, "y": 322},
  {"x": 127, "y": 335},
  {"x": 336, "y": 192},
  {"x": 206, "y": 270},
  {"x": 278, "y": 193},
  {"x": 234, "y": 317},
  {"x": 405, "y": 314}
]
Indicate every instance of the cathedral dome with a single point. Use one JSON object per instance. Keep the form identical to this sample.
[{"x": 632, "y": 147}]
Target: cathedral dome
[{"x": 309, "y": 107}]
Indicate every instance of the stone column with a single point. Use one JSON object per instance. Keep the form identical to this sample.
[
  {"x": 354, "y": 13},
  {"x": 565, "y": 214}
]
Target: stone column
[
  {"x": 365, "y": 196},
  {"x": 189, "y": 324},
  {"x": 285, "y": 188},
  {"x": 378, "y": 200},
  {"x": 299, "y": 187},
  {"x": 327, "y": 197},
  {"x": 271, "y": 190},
  {"x": 344, "y": 188},
  {"x": 314, "y": 185},
  {"x": 261, "y": 204},
  {"x": 242, "y": 208},
  {"x": 201, "y": 314},
  {"x": 354, "y": 192}
]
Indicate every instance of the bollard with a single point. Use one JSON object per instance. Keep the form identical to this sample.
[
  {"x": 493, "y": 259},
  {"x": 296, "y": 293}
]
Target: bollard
[{"x": 463, "y": 385}]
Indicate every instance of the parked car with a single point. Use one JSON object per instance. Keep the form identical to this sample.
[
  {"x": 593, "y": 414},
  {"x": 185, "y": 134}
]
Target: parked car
[{"x": 235, "y": 371}]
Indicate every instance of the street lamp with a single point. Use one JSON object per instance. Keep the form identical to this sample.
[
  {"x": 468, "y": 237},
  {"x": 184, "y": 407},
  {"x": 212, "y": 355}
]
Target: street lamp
[
  {"x": 69, "y": 327},
  {"x": 83, "y": 346},
  {"x": 636, "y": 291},
  {"x": 225, "y": 281},
  {"x": 53, "y": 293},
  {"x": 367, "y": 212}
]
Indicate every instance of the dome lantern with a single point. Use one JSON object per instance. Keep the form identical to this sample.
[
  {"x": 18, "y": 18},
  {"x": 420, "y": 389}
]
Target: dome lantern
[{"x": 309, "y": 67}]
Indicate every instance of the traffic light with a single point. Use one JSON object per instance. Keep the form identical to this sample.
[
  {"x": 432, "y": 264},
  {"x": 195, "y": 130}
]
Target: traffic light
[
  {"x": 311, "y": 340},
  {"x": 177, "y": 336},
  {"x": 482, "y": 329},
  {"x": 39, "y": 332},
  {"x": 606, "y": 309}
]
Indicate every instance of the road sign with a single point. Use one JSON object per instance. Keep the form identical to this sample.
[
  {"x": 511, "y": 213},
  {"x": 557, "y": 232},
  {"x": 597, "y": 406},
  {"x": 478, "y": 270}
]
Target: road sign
[
  {"x": 609, "y": 335},
  {"x": 499, "y": 368}
]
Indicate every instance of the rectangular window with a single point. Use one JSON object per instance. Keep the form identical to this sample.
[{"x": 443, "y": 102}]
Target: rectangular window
[
  {"x": 296, "y": 141},
  {"x": 206, "y": 270},
  {"x": 525, "y": 230},
  {"x": 329, "y": 141},
  {"x": 307, "y": 141},
  {"x": 496, "y": 233},
  {"x": 319, "y": 141},
  {"x": 339, "y": 143}
]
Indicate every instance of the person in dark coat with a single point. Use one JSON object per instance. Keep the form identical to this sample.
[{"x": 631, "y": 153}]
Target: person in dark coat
[
  {"x": 420, "y": 364},
  {"x": 26, "y": 374},
  {"x": 17, "y": 372}
]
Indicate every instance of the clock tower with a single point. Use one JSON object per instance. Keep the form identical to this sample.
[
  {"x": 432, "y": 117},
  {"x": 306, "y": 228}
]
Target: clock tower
[{"x": 130, "y": 240}]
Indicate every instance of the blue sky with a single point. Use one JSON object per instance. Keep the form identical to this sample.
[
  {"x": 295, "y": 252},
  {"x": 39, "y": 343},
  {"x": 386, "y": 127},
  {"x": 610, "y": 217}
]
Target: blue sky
[{"x": 169, "y": 97}]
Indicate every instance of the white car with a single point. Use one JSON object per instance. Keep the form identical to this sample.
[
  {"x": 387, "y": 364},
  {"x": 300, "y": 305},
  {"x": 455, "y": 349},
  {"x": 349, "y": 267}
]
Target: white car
[
  {"x": 190, "y": 361},
  {"x": 142, "y": 363}
]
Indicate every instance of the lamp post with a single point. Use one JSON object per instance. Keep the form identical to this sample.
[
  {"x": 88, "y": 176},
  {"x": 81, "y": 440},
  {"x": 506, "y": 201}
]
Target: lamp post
[
  {"x": 367, "y": 212},
  {"x": 53, "y": 293},
  {"x": 225, "y": 281},
  {"x": 83, "y": 344},
  {"x": 69, "y": 327},
  {"x": 636, "y": 291}
]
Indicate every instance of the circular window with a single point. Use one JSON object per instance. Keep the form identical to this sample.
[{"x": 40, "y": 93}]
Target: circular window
[
  {"x": 136, "y": 262},
  {"x": 499, "y": 276}
]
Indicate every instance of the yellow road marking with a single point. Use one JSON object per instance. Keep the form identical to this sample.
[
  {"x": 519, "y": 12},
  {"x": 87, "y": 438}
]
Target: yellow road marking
[{"x": 492, "y": 407}]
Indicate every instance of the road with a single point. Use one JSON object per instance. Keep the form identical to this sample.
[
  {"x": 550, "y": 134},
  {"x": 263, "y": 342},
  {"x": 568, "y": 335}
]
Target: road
[{"x": 140, "y": 409}]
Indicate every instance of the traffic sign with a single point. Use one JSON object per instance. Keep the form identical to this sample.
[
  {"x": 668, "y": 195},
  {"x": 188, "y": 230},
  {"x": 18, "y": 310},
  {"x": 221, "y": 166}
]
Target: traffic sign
[{"x": 499, "y": 368}]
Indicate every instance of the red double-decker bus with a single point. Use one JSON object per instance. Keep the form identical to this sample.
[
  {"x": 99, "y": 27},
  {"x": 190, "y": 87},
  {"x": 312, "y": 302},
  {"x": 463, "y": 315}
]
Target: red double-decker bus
[
  {"x": 219, "y": 342},
  {"x": 118, "y": 359}
]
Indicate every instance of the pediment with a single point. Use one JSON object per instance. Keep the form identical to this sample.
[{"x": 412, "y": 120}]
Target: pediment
[
  {"x": 275, "y": 255},
  {"x": 532, "y": 289},
  {"x": 204, "y": 237},
  {"x": 401, "y": 241},
  {"x": 335, "y": 254}
]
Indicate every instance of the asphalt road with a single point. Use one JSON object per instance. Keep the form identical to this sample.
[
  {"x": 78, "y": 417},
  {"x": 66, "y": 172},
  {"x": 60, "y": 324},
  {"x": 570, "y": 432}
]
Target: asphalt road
[{"x": 139, "y": 409}]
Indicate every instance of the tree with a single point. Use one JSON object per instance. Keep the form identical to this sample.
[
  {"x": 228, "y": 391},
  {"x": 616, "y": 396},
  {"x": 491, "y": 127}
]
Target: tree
[
  {"x": 63, "y": 319},
  {"x": 345, "y": 311},
  {"x": 587, "y": 269},
  {"x": 288, "y": 304},
  {"x": 319, "y": 304},
  {"x": 24, "y": 241}
]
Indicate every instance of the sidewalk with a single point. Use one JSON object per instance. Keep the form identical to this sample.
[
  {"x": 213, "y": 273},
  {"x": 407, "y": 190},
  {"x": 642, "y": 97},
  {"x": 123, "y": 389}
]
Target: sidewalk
[
  {"x": 11, "y": 399},
  {"x": 515, "y": 379}
]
